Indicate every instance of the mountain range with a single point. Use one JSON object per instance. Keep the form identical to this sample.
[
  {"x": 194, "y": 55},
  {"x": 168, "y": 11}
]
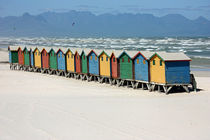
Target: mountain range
[{"x": 86, "y": 24}]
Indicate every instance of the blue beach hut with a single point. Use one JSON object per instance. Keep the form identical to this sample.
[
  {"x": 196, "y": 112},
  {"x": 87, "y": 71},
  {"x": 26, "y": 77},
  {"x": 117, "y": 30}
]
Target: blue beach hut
[
  {"x": 32, "y": 57},
  {"x": 61, "y": 59},
  {"x": 141, "y": 65},
  {"x": 93, "y": 62}
]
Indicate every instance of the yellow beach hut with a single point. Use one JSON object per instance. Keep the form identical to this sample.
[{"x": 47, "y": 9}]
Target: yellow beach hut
[
  {"x": 104, "y": 63},
  {"x": 37, "y": 57},
  {"x": 169, "y": 68},
  {"x": 70, "y": 59}
]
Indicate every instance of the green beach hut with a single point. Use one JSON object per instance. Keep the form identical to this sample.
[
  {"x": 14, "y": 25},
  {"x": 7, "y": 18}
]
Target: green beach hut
[{"x": 26, "y": 56}]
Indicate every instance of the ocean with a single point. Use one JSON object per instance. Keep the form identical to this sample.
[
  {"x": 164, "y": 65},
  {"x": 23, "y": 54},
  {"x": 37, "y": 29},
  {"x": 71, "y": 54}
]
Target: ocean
[{"x": 197, "y": 48}]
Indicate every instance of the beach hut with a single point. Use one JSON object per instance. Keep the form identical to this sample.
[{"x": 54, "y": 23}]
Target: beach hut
[
  {"x": 169, "y": 68},
  {"x": 141, "y": 65},
  {"x": 37, "y": 57},
  {"x": 84, "y": 60},
  {"x": 13, "y": 54},
  {"x": 45, "y": 58},
  {"x": 61, "y": 59},
  {"x": 78, "y": 60},
  {"x": 26, "y": 56},
  {"x": 104, "y": 63},
  {"x": 126, "y": 64},
  {"x": 32, "y": 56},
  {"x": 115, "y": 65},
  {"x": 70, "y": 60},
  {"x": 20, "y": 56},
  {"x": 53, "y": 58},
  {"x": 93, "y": 63}
]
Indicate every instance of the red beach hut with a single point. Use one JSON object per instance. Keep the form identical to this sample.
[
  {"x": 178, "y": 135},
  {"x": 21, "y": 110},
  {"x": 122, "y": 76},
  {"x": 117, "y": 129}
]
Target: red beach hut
[
  {"x": 115, "y": 65},
  {"x": 20, "y": 56},
  {"x": 78, "y": 60},
  {"x": 45, "y": 58}
]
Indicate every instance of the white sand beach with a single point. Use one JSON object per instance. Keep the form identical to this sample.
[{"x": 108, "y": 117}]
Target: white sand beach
[{"x": 36, "y": 106}]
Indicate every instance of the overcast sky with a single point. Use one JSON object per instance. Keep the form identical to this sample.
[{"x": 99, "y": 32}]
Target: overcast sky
[{"x": 189, "y": 8}]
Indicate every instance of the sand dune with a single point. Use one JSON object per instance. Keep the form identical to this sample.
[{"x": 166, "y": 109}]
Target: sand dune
[{"x": 42, "y": 107}]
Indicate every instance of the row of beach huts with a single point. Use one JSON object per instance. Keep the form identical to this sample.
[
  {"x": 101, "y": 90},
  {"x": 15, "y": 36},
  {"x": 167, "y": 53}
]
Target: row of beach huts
[{"x": 137, "y": 69}]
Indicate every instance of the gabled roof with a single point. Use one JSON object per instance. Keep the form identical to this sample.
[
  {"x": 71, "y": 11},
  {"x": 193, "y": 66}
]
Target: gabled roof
[
  {"x": 96, "y": 51},
  {"x": 86, "y": 51},
  {"x": 73, "y": 50},
  {"x": 13, "y": 48},
  {"x": 64, "y": 50},
  {"x": 124, "y": 52},
  {"x": 79, "y": 51},
  {"x": 107, "y": 52},
  {"x": 166, "y": 56},
  {"x": 32, "y": 48},
  {"x": 61, "y": 49},
  {"x": 47, "y": 49},
  {"x": 145, "y": 54},
  {"x": 55, "y": 49},
  {"x": 132, "y": 54},
  {"x": 26, "y": 48},
  {"x": 116, "y": 53}
]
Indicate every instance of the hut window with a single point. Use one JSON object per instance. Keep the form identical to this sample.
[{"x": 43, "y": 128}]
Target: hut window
[
  {"x": 84, "y": 57},
  {"x": 161, "y": 63},
  {"x": 143, "y": 61},
  {"x": 51, "y": 54},
  {"x": 122, "y": 59},
  {"x": 39, "y": 53},
  {"x": 35, "y": 53},
  {"x": 68, "y": 55},
  {"x": 113, "y": 59},
  {"x": 62, "y": 56},
  {"x": 128, "y": 60},
  {"x": 27, "y": 52},
  {"x": 102, "y": 58},
  {"x": 77, "y": 57},
  {"x": 153, "y": 62},
  {"x": 106, "y": 58},
  {"x": 137, "y": 60},
  {"x": 95, "y": 57},
  {"x": 72, "y": 56},
  {"x": 58, "y": 55},
  {"x": 90, "y": 57},
  {"x": 46, "y": 54}
]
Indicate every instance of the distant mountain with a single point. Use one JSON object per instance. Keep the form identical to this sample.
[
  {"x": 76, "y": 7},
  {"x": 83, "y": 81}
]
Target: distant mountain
[{"x": 86, "y": 24}]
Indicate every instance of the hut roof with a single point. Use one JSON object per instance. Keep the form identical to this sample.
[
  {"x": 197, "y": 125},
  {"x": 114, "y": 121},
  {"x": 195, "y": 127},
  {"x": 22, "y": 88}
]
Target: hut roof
[
  {"x": 107, "y": 52},
  {"x": 32, "y": 48},
  {"x": 116, "y": 53},
  {"x": 13, "y": 48},
  {"x": 79, "y": 51},
  {"x": 98, "y": 51},
  {"x": 146, "y": 54},
  {"x": 166, "y": 56},
  {"x": 73, "y": 50},
  {"x": 55, "y": 49},
  {"x": 64, "y": 49},
  {"x": 48, "y": 49},
  {"x": 132, "y": 54},
  {"x": 86, "y": 51}
]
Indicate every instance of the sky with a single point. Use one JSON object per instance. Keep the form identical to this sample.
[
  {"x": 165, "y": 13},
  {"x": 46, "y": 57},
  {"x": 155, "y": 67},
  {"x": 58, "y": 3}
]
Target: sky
[{"x": 191, "y": 9}]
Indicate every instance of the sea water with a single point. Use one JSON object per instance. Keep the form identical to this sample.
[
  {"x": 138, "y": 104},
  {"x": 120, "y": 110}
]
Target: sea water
[{"x": 197, "y": 48}]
